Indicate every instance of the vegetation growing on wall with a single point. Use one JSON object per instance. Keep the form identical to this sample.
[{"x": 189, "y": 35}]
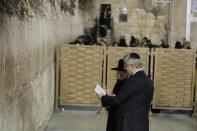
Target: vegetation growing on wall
[
  {"x": 23, "y": 9},
  {"x": 68, "y": 7},
  {"x": 155, "y": 8}
]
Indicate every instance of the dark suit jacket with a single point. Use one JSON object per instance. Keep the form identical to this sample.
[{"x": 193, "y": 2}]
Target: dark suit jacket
[
  {"x": 132, "y": 103},
  {"x": 112, "y": 109}
]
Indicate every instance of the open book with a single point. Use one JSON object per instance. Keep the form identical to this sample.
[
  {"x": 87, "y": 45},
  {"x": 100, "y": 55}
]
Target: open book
[{"x": 99, "y": 90}]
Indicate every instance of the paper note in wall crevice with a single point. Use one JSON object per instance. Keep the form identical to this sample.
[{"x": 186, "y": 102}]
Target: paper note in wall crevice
[{"x": 99, "y": 90}]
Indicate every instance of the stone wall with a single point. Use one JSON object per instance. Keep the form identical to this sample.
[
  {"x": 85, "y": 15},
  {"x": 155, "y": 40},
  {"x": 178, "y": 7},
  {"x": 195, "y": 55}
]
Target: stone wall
[
  {"x": 193, "y": 35},
  {"x": 178, "y": 21},
  {"x": 27, "y": 68},
  {"x": 145, "y": 18}
]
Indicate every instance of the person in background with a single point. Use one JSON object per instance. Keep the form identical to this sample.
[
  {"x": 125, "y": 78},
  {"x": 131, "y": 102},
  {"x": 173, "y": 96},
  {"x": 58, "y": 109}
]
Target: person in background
[
  {"x": 178, "y": 45},
  {"x": 144, "y": 42},
  {"x": 132, "y": 102},
  {"x": 121, "y": 74},
  {"x": 147, "y": 43},
  {"x": 133, "y": 42},
  {"x": 122, "y": 42},
  {"x": 186, "y": 44}
]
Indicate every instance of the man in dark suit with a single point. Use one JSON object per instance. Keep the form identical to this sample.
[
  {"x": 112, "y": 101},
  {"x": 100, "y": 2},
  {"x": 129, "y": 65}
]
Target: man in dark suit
[
  {"x": 132, "y": 102},
  {"x": 121, "y": 74}
]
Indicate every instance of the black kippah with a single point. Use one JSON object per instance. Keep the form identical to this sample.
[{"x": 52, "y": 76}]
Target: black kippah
[{"x": 134, "y": 56}]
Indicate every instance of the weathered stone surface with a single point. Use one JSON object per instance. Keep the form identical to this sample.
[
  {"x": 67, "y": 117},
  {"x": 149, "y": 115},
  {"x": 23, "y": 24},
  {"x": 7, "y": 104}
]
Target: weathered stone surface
[
  {"x": 178, "y": 21},
  {"x": 193, "y": 35},
  {"x": 27, "y": 68}
]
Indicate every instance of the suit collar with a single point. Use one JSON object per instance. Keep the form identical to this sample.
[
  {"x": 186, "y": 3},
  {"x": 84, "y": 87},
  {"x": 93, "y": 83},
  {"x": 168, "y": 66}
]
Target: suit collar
[
  {"x": 137, "y": 73},
  {"x": 138, "y": 70}
]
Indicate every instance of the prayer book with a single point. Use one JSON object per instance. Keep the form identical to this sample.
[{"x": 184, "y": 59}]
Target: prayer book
[{"x": 99, "y": 90}]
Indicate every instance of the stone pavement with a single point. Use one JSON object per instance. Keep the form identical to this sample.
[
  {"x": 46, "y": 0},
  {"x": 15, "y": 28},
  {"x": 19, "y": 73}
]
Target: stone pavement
[{"x": 70, "y": 120}]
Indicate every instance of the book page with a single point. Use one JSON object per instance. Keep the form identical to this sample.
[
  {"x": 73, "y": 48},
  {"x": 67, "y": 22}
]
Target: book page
[{"x": 99, "y": 90}]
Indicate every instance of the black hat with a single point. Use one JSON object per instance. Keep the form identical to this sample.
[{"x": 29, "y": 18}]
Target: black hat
[
  {"x": 134, "y": 56},
  {"x": 120, "y": 66}
]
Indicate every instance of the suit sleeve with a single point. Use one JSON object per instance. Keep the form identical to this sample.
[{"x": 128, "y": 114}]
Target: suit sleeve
[{"x": 127, "y": 90}]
